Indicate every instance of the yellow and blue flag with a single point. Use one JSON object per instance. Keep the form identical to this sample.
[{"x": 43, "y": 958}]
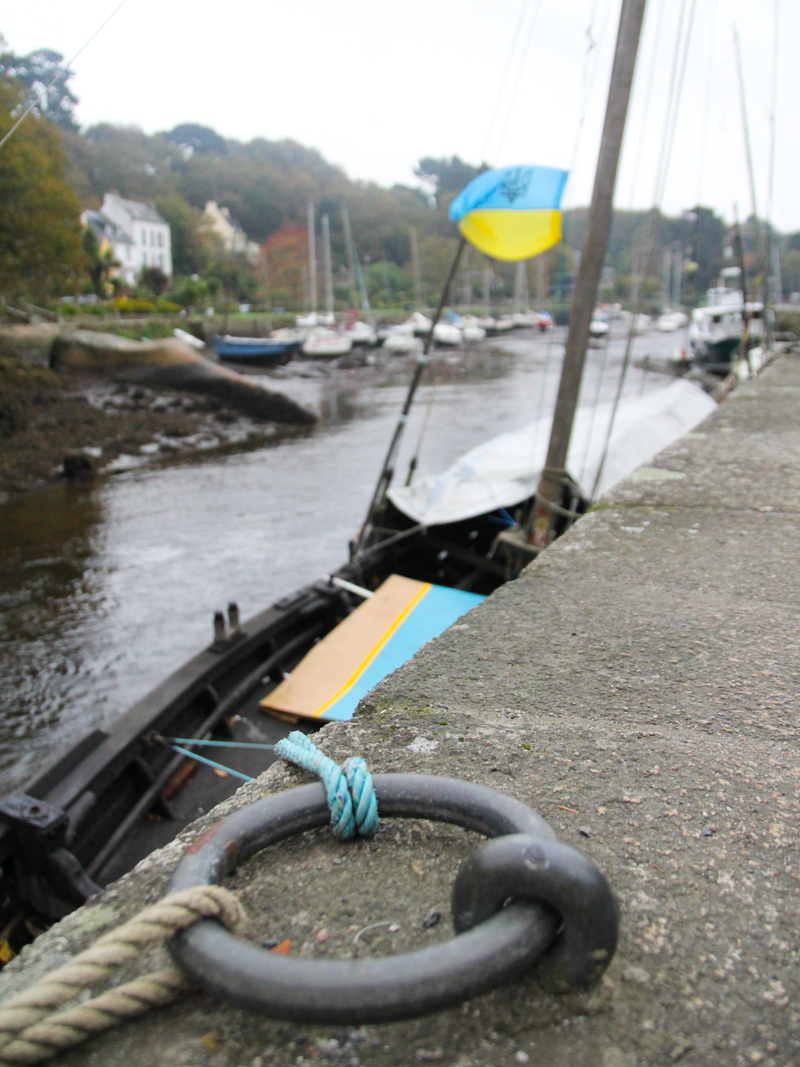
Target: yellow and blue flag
[{"x": 512, "y": 213}]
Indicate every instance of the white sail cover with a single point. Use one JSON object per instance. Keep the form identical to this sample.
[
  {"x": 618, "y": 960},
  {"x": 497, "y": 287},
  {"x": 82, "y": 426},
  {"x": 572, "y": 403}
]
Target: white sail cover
[{"x": 505, "y": 471}]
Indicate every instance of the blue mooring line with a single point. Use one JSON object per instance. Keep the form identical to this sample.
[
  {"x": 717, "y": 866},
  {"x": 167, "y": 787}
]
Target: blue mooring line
[
  {"x": 220, "y": 744},
  {"x": 212, "y": 763}
]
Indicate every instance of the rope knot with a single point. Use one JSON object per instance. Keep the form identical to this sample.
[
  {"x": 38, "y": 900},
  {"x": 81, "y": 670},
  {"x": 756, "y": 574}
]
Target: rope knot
[{"x": 350, "y": 793}]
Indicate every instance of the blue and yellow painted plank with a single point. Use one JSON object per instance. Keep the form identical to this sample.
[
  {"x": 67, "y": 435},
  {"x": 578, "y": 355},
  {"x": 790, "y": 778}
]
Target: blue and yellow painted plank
[{"x": 374, "y": 640}]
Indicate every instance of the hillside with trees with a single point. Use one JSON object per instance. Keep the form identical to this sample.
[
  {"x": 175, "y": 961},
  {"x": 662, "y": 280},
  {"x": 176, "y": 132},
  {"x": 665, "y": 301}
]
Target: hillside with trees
[{"x": 266, "y": 186}]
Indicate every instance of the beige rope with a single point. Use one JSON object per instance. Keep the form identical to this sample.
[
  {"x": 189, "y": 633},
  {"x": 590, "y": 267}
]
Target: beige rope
[{"x": 31, "y": 1027}]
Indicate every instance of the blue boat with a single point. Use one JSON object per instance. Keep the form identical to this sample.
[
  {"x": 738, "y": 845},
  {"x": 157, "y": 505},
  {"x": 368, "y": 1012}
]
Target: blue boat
[{"x": 259, "y": 351}]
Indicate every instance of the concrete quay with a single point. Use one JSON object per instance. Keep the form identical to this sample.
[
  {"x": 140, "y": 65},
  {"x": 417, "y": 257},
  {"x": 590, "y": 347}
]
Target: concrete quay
[{"x": 638, "y": 687}]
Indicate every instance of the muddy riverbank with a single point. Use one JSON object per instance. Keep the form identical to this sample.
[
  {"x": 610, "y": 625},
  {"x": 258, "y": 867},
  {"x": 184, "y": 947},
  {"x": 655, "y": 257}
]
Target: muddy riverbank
[{"x": 55, "y": 424}]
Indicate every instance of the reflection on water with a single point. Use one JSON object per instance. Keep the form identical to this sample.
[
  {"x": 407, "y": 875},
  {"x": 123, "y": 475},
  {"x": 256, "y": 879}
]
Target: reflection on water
[
  {"x": 105, "y": 590},
  {"x": 51, "y": 611}
]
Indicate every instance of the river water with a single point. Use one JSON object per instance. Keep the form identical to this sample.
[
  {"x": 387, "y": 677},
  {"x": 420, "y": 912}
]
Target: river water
[{"x": 105, "y": 589}]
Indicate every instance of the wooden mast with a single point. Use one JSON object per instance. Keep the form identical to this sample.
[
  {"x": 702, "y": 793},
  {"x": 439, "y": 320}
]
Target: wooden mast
[{"x": 540, "y": 530}]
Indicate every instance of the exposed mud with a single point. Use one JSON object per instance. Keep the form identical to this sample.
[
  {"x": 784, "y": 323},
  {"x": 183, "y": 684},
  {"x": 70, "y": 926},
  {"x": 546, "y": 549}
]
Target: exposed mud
[{"x": 48, "y": 417}]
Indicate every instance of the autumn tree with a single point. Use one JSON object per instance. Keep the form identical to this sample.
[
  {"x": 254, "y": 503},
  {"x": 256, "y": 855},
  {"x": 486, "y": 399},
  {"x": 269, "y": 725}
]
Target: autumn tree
[
  {"x": 287, "y": 256},
  {"x": 40, "y": 227}
]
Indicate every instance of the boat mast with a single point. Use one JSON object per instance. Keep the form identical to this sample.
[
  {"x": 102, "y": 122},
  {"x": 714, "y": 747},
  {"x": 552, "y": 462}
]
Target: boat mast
[
  {"x": 326, "y": 259},
  {"x": 751, "y": 178},
  {"x": 387, "y": 471},
  {"x": 348, "y": 247},
  {"x": 412, "y": 233},
  {"x": 540, "y": 529},
  {"x": 312, "y": 259}
]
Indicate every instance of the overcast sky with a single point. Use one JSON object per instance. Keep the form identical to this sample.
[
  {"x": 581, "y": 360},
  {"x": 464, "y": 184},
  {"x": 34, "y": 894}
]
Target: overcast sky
[{"x": 376, "y": 85}]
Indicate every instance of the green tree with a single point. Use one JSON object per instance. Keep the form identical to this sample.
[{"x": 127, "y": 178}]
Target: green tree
[
  {"x": 194, "y": 244},
  {"x": 154, "y": 279},
  {"x": 35, "y": 73},
  {"x": 446, "y": 177},
  {"x": 100, "y": 263},
  {"x": 40, "y": 227}
]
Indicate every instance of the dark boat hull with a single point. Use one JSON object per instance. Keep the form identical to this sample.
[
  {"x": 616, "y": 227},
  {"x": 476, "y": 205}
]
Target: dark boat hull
[
  {"x": 266, "y": 353},
  {"x": 109, "y": 801},
  {"x": 716, "y": 357}
]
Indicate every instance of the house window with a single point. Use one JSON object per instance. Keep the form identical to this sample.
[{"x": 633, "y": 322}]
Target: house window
[
  {"x": 160, "y": 261},
  {"x": 160, "y": 239},
  {"x": 144, "y": 237}
]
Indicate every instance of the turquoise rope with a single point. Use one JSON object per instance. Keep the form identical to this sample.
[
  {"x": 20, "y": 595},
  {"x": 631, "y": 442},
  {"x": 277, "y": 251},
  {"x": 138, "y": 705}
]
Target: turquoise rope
[
  {"x": 212, "y": 763},
  {"x": 349, "y": 790},
  {"x": 218, "y": 744},
  {"x": 350, "y": 793}
]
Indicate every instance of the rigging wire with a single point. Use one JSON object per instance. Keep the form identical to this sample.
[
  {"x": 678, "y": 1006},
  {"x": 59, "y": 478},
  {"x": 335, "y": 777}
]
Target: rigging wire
[
  {"x": 640, "y": 141},
  {"x": 588, "y": 85},
  {"x": 709, "y": 75},
  {"x": 773, "y": 108},
  {"x": 673, "y": 107},
  {"x": 61, "y": 71},
  {"x": 646, "y": 110},
  {"x": 670, "y": 103},
  {"x": 771, "y": 275},
  {"x": 514, "y": 41},
  {"x": 520, "y": 70},
  {"x": 677, "y": 108}
]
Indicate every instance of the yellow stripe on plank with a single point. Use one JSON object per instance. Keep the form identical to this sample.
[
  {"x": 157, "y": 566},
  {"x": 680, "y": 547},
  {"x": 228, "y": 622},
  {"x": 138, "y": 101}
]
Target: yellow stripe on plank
[
  {"x": 333, "y": 662},
  {"x": 368, "y": 659}
]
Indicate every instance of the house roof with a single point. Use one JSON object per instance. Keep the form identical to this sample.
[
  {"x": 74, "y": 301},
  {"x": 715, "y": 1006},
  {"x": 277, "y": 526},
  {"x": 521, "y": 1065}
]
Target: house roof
[
  {"x": 142, "y": 212},
  {"x": 104, "y": 227}
]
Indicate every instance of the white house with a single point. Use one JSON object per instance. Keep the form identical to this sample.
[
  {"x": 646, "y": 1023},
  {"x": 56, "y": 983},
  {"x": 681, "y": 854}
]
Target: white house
[
  {"x": 229, "y": 231},
  {"x": 136, "y": 234}
]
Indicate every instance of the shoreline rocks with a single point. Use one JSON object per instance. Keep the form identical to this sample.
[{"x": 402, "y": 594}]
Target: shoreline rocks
[{"x": 170, "y": 364}]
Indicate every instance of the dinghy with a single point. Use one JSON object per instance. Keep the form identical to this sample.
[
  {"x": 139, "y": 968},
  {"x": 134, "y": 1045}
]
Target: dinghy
[
  {"x": 322, "y": 343},
  {"x": 259, "y": 351}
]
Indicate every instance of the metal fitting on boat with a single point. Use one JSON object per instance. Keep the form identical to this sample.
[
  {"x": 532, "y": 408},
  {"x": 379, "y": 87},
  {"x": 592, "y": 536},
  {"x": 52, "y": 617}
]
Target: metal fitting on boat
[
  {"x": 524, "y": 900},
  {"x": 220, "y": 633},
  {"x": 233, "y": 617}
]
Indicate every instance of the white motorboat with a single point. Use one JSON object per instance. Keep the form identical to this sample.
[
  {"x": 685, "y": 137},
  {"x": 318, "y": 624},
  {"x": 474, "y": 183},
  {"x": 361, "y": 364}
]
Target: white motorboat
[
  {"x": 671, "y": 321},
  {"x": 472, "y": 334},
  {"x": 526, "y": 319},
  {"x": 361, "y": 333},
  {"x": 322, "y": 343},
  {"x": 420, "y": 324},
  {"x": 444, "y": 333},
  {"x": 716, "y": 329},
  {"x": 504, "y": 324},
  {"x": 401, "y": 343},
  {"x": 471, "y": 329}
]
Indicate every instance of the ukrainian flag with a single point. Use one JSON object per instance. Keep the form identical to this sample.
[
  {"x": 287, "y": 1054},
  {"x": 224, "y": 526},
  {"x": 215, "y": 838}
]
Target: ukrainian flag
[{"x": 511, "y": 213}]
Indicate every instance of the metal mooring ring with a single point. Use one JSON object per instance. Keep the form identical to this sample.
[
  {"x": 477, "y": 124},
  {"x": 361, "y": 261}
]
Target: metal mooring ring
[{"x": 500, "y": 942}]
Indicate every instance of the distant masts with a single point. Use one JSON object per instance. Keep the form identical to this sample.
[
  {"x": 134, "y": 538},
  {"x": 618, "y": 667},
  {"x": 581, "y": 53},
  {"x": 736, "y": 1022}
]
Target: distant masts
[
  {"x": 327, "y": 265},
  {"x": 312, "y": 259},
  {"x": 412, "y": 234},
  {"x": 349, "y": 252}
]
